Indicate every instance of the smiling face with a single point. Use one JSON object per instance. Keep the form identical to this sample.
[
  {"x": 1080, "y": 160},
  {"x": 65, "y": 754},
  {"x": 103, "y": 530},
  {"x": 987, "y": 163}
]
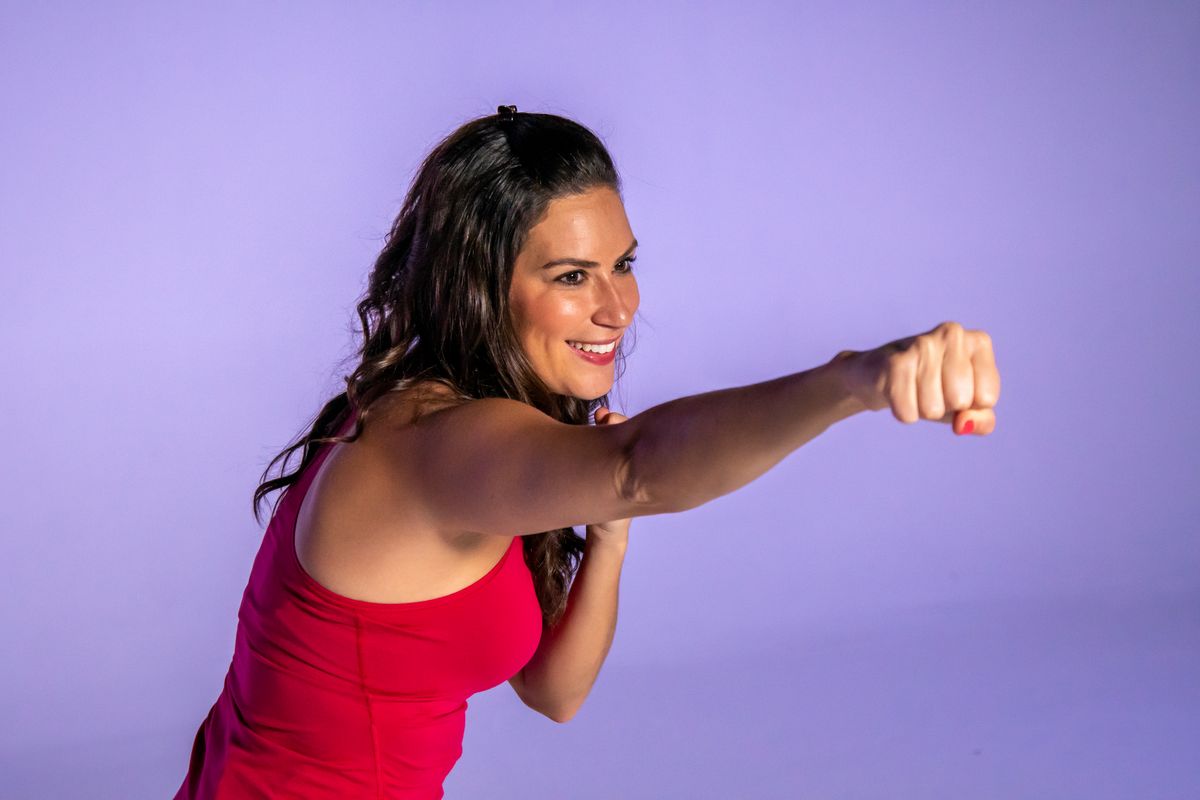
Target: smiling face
[{"x": 573, "y": 282}]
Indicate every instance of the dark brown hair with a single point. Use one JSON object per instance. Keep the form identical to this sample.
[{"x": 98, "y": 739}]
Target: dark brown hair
[{"x": 436, "y": 306}]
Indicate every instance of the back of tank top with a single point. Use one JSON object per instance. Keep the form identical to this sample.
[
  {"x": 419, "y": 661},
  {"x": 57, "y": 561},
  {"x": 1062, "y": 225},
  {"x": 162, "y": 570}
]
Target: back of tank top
[{"x": 331, "y": 697}]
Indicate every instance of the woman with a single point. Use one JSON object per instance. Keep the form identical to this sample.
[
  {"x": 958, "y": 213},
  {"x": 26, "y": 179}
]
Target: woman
[{"x": 424, "y": 548}]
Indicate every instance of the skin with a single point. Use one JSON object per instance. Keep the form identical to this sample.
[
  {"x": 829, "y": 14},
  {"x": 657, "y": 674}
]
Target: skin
[
  {"x": 947, "y": 374},
  {"x": 590, "y": 304},
  {"x": 571, "y": 303},
  {"x": 550, "y": 307}
]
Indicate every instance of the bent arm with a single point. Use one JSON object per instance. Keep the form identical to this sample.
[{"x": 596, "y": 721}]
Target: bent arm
[
  {"x": 561, "y": 673},
  {"x": 694, "y": 449}
]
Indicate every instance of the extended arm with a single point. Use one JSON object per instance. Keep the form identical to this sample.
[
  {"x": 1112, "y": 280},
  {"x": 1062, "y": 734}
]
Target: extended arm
[{"x": 694, "y": 449}]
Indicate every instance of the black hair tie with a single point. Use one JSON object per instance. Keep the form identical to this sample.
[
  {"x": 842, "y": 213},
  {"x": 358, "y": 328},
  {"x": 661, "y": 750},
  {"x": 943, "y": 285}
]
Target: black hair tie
[{"x": 507, "y": 113}]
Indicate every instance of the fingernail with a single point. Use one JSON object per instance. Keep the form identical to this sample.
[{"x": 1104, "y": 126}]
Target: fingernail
[{"x": 968, "y": 427}]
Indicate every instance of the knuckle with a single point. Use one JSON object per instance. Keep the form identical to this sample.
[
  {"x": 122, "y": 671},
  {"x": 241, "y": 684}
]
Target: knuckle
[
  {"x": 900, "y": 407},
  {"x": 933, "y": 409},
  {"x": 951, "y": 328},
  {"x": 905, "y": 360},
  {"x": 958, "y": 400}
]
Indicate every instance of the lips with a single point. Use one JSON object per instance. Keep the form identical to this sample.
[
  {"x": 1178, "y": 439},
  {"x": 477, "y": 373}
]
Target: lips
[
  {"x": 603, "y": 341},
  {"x": 599, "y": 359}
]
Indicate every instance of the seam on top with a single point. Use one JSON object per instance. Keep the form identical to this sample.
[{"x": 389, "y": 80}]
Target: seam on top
[{"x": 362, "y": 683}]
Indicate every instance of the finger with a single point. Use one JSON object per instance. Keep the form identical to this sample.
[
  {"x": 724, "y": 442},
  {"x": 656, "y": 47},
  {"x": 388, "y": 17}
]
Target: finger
[
  {"x": 606, "y": 417},
  {"x": 931, "y": 403},
  {"x": 958, "y": 373},
  {"x": 902, "y": 385},
  {"x": 984, "y": 419},
  {"x": 987, "y": 377},
  {"x": 979, "y": 417}
]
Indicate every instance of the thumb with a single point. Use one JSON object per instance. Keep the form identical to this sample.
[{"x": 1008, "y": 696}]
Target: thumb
[
  {"x": 982, "y": 421},
  {"x": 606, "y": 417}
]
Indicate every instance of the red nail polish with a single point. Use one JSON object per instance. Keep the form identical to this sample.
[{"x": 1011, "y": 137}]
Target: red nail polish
[{"x": 969, "y": 426}]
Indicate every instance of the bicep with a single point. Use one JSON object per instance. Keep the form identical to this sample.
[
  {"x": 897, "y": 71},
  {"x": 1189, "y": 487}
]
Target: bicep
[{"x": 502, "y": 467}]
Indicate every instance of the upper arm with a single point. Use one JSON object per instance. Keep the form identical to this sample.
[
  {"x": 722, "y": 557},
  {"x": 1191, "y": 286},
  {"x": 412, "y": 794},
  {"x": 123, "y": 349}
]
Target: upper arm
[{"x": 501, "y": 466}]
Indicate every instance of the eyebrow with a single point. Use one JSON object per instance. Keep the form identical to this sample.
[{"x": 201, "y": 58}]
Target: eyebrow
[{"x": 580, "y": 262}]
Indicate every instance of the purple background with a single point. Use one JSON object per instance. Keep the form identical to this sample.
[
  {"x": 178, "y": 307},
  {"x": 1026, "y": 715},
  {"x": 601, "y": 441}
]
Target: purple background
[{"x": 191, "y": 199}]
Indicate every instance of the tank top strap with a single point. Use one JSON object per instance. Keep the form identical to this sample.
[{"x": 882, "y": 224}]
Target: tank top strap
[{"x": 293, "y": 495}]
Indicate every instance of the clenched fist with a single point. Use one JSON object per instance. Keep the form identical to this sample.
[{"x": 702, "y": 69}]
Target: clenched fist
[{"x": 947, "y": 374}]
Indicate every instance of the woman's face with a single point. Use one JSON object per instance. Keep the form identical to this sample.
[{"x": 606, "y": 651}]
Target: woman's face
[{"x": 588, "y": 296}]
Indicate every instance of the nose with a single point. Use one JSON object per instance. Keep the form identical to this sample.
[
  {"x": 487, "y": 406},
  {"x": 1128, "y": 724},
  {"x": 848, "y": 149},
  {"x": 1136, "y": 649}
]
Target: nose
[{"x": 617, "y": 303}]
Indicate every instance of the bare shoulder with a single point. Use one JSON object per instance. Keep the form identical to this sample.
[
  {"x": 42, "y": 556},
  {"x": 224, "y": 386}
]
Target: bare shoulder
[
  {"x": 500, "y": 467},
  {"x": 404, "y": 407},
  {"x": 394, "y": 444},
  {"x": 387, "y": 450},
  {"x": 503, "y": 467},
  {"x": 363, "y": 533}
]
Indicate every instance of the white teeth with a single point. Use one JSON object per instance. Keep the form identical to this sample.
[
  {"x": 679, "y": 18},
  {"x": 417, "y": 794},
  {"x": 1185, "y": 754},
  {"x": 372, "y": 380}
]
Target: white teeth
[{"x": 594, "y": 348}]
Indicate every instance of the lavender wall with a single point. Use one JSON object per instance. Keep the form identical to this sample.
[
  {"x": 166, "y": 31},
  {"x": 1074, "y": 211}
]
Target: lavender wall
[{"x": 191, "y": 199}]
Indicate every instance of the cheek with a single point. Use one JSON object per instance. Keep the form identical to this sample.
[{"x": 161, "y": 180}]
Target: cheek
[
  {"x": 557, "y": 317},
  {"x": 517, "y": 314}
]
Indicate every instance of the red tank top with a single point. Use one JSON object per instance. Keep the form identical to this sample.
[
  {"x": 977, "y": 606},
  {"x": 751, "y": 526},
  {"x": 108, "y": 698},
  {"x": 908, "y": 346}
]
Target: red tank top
[{"x": 331, "y": 697}]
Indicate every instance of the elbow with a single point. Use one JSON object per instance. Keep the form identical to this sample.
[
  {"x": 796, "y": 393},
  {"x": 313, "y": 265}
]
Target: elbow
[
  {"x": 562, "y": 715},
  {"x": 556, "y": 711},
  {"x": 560, "y": 712},
  {"x": 634, "y": 484}
]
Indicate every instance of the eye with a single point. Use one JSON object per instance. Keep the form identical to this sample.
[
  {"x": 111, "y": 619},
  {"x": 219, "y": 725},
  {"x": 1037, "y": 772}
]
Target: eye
[
  {"x": 628, "y": 262},
  {"x": 569, "y": 274}
]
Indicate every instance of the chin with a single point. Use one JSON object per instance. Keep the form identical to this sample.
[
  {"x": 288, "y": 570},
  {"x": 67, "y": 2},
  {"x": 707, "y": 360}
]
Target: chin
[
  {"x": 588, "y": 387},
  {"x": 583, "y": 393}
]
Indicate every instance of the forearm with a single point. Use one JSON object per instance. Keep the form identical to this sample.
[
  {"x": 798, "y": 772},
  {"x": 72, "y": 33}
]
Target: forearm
[
  {"x": 561, "y": 673},
  {"x": 694, "y": 449}
]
